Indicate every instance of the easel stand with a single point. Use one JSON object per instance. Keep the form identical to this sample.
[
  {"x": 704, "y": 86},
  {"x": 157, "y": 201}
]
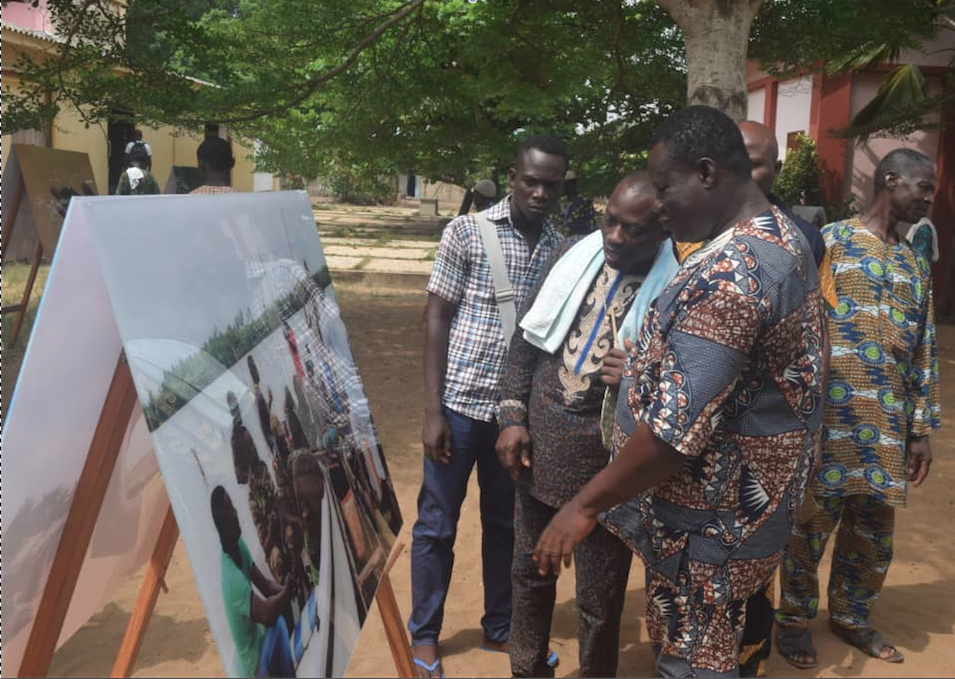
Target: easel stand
[
  {"x": 10, "y": 222},
  {"x": 78, "y": 531}
]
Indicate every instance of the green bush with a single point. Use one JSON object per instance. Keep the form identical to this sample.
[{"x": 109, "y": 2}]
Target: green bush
[
  {"x": 360, "y": 184},
  {"x": 836, "y": 212},
  {"x": 799, "y": 181}
]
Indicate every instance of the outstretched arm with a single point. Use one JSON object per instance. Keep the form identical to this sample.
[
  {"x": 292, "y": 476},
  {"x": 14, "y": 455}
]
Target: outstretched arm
[
  {"x": 644, "y": 462},
  {"x": 267, "y": 610}
]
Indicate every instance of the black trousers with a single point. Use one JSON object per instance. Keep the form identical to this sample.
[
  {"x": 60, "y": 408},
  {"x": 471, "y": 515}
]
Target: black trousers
[{"x": 601, "y": 564}]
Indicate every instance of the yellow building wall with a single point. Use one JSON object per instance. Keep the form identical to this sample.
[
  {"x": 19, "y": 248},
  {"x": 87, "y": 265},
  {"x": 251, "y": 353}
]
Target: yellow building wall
[
  {"x": 71, "y": 134},
  {"x": 169, "y": 146},
  {"x": 242, "y": 174},
  {"x": 172, "y": 147},
  {"x": 11, "y": 84}
]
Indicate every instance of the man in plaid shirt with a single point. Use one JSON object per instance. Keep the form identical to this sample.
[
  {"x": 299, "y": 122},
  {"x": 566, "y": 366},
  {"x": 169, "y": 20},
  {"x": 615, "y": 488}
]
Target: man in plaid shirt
[{"x": 463, "y": 360}]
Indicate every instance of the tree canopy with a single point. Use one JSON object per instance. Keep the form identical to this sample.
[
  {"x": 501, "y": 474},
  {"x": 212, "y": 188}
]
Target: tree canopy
[
  {"x": 443, "y": 87},
  {"x": 835, "y": 36}
]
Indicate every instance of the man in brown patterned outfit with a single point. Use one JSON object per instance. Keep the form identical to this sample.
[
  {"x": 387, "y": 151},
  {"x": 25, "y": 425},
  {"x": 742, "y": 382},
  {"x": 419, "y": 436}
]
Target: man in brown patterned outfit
[{"x": 550, "y": 437}]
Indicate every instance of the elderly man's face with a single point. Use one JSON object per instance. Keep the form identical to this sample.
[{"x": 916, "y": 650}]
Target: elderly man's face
[
  {"x": 912, "y": 194},
  {"x": 631, "y": 227}
]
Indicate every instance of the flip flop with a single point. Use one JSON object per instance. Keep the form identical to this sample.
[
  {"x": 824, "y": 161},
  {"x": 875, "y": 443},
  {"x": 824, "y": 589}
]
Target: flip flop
[
  {"x": 868, "y": 641},
  {"x": 793, "y": 641},
  {"x": 434, "y": 670}
]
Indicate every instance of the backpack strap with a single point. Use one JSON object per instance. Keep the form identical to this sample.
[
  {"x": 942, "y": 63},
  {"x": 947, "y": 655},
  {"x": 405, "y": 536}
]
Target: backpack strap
[{"x": 503, "y": 290}]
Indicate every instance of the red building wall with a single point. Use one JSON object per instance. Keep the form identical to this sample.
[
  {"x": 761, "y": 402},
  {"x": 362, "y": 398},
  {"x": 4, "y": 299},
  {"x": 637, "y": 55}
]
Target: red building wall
[
  {"x": 943, "y": 216},
  {"x": 831, "y": 110}
]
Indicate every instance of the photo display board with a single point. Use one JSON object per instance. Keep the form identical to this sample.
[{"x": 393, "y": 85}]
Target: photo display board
[{"x": 254, "y": 407}]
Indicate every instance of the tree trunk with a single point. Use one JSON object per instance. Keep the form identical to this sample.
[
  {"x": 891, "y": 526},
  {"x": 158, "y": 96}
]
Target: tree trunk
[{"x": 716, "y": 35}]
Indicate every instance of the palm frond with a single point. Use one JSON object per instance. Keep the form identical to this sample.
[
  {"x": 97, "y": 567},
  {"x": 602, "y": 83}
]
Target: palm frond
[
  {"x": 903, "y": 89},
  {"x": 867, "y": 53}
]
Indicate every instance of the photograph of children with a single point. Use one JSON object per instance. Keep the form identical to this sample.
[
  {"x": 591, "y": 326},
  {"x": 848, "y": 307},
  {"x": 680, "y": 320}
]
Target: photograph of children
[{"x": 259, "y": 419}]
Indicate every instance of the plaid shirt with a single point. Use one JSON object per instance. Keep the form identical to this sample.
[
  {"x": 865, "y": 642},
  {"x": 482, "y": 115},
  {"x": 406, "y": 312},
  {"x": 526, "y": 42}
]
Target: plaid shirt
[
  {"x": 462, "y": 276},
  {"x": 208, "y": 189}
]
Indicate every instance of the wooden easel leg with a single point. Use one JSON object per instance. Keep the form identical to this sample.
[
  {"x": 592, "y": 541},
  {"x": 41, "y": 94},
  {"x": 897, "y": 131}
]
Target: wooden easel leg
[
  {"x": 25, "y": 301},
  {"x": 11, "y": 218},
  {"x": 148, "y": 594},
  {"x": 80, "y": 523},
  {"x": 394, "y": 625}
]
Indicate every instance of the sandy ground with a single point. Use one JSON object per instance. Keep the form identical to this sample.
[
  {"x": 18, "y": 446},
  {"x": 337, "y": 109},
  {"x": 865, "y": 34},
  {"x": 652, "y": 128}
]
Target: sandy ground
[{"x": 915, "y": 611}]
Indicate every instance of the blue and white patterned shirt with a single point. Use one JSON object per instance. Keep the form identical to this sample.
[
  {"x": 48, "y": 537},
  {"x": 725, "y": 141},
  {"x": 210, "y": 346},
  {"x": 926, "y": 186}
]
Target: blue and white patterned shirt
[{"x": 462, "y": 276}]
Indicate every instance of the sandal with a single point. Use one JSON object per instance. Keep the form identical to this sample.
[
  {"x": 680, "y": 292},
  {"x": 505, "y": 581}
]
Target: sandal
[
  {"x": 796, "y": 641},
  {"x": 434, "y": 670},
  {"x": 868, "y": 641}
]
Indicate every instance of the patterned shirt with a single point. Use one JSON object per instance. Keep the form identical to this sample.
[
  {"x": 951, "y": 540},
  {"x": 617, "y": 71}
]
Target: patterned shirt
[
  {"x": 462, "y": 276},
  {"x": 883, "y": 374},
  {"x": 728, "y": 373},
  {"x": 559, "y": 396},
  {"x": 577, "y": 216}
]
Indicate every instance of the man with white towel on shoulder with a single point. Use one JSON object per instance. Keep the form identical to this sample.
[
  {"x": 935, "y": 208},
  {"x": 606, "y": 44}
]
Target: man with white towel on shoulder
[{"x": 566, "y": 355}]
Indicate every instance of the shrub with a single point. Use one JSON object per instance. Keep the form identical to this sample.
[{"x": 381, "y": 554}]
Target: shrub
[{"x": 799, "y": 181}]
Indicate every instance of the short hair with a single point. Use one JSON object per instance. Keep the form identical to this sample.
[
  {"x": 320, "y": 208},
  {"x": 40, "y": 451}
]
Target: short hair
[
  {"x": 698, "y": 132},
  {"x": 137, "y": 134},
  {"x": 900, "y": 162},
  {"x": 216, "y": 153},
  {"x": 545, "y": 143}
]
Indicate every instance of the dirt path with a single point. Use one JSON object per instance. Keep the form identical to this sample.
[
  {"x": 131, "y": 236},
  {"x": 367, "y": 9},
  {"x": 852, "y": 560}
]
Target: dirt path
[{"x": 916, "y": 610}]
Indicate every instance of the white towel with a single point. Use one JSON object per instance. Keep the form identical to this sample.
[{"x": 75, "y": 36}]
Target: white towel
[
  {"x": 135, "y": 176},
  {"x": 657, "y": 279},
  {"x": 548, "y": 321}
]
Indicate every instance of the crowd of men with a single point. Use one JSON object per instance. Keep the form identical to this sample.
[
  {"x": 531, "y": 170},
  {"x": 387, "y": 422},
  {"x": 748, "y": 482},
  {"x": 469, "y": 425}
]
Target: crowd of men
[{"x": 706, "y": 381}]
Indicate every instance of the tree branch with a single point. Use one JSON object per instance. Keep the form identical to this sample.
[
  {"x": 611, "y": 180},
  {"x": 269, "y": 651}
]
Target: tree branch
[
  {"x": 617, "y": 37},
  {"x": 313, "y": 84}
]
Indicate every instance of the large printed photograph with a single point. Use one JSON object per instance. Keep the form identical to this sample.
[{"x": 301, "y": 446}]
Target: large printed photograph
[{"x": 258, "y": 417}]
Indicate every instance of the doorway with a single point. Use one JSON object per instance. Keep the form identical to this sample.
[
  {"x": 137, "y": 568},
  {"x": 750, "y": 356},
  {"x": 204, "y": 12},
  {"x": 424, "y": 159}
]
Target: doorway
[{"x": 119, "y": 132}]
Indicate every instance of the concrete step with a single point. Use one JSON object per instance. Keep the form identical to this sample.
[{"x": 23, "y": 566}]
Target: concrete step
[{"x": 381, "y": 279}]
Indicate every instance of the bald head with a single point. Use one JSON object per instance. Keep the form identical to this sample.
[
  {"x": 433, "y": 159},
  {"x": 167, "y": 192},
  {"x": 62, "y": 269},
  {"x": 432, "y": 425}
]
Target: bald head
[
  {"x": 635, "y": 186},
  {"x": 631, "y": 227},
  {"x": 763, "y": 150}
]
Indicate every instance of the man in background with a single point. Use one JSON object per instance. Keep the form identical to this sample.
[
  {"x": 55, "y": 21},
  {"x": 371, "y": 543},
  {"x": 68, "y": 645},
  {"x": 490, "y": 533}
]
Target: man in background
[
  {"x": 481, "y": 196},
  {"x": 136, "y": 180},
  {"x": 215, "y": 161},
  {"x": 141, "y": 148},
  {"x": 763, "y": 150},
  {"x": 577, "y": 216},
  {"x": 881, "y": 405}
]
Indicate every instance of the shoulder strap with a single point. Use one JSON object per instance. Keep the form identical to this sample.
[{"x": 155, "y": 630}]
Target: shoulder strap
[{"x": 503, "y": 291}]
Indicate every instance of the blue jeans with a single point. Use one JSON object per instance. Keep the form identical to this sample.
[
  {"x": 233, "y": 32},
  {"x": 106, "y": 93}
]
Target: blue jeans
[
  {"x": 439, "y": 506},
  {"x": 275, "y": 658}
]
